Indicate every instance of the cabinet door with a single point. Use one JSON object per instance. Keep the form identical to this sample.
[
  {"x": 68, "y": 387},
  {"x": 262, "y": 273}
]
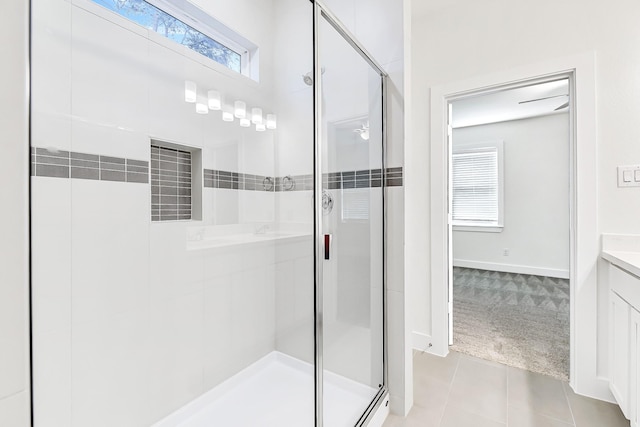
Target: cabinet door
[
  {"x": 634, "y": 403},
  {"x": 619, "y": 351}
]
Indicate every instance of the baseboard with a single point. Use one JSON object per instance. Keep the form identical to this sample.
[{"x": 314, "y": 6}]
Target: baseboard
[
  {"x": 512, "y": 268},
  {"x": 596, "y": 388},
  {"x": 420, "y": 341}
]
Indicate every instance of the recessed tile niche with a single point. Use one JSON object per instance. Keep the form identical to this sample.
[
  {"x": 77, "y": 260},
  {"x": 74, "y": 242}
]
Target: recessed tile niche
[{"x": 176, "y": 182}]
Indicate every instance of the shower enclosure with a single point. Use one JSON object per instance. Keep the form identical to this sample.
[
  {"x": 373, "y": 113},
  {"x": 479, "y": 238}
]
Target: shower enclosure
[{"x": 207, "y": 200}]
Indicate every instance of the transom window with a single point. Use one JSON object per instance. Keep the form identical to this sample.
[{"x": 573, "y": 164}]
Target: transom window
[
  {"x": 159, "y": 21},
  {"x": 477, "y": 186}
]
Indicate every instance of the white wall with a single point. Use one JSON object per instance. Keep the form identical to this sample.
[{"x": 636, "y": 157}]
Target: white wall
[
  {"x": 457, "y": 41},
  {"x": 536, "y": 199},
  {"x": 14, "y": 245}
]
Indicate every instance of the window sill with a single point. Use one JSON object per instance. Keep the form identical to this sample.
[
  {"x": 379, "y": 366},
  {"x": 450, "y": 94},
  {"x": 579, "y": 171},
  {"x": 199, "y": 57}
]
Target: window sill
[{"x": 479, "y": 228}]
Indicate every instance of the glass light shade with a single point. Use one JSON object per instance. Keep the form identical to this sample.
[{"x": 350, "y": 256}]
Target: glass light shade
[
  {"x": 190, "y": 91},
  {"x": 240, "y": 109},
  {"x": 245, "y": 123},
  {"x": 201, "y": 105},
  {"x": 215, "y": 101},
  {"x": 227, "y": 113},
  {"x": 256, "y": 115},
  {"x": 271, "y": 121},
  {"x": 260, "y": 127}
]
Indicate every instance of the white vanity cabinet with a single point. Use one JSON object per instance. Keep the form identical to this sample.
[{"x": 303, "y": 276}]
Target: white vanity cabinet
[
  {"x": 624, "y": 341},
  {"x": 619, "y": 351},
  {"x": 634, "y": 395}
]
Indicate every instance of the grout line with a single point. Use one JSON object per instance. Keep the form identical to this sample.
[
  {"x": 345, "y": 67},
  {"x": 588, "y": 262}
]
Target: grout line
[
  {"x": 453, "y": 377},
  {"x": 566, "y": 396}
]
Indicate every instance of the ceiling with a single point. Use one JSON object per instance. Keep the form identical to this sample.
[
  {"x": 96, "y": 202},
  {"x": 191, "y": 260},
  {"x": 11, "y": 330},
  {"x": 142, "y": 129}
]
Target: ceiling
[{"x": 506, "y": 105}]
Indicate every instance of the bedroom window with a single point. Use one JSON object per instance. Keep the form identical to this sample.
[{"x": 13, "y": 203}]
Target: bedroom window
[{"x": 477, "y": 187}]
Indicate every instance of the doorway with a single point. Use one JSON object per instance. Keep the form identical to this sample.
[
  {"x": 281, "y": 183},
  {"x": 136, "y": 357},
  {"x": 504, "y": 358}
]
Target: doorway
[{"x": 509, "y": 229}]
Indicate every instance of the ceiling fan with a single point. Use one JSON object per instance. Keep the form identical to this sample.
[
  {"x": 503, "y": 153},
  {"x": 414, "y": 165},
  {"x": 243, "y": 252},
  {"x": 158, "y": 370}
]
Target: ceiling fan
[
  {"x": 565, "y": 105},
  {"x": 363, "y": 131}
]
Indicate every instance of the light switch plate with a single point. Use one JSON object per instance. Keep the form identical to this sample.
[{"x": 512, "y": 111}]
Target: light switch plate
[{"x": 629, "y": 176}]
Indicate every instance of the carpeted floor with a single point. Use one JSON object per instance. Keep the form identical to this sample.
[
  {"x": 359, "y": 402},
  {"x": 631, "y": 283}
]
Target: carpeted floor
[{"x": 516, "y": 319}]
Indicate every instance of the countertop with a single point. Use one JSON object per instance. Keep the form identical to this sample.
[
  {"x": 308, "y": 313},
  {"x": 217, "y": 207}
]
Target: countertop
[{"x": 628, "y": 261}]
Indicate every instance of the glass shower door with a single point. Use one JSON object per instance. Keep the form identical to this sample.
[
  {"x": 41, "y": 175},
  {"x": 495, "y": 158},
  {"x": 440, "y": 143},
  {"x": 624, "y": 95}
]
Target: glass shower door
[{"x": 351, "y": 226}]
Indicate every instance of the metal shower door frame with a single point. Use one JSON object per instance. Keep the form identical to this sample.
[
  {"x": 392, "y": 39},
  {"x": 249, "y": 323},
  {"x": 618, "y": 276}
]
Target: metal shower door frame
[{"x": 320, "y": 11}]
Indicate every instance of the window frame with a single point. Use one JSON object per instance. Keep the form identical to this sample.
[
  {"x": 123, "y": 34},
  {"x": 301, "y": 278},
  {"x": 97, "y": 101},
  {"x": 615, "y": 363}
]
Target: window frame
[
  {"x": 480, "y": 226},
  {"x": 196, "y": 18},
  {"x": 213, "y": 29}
]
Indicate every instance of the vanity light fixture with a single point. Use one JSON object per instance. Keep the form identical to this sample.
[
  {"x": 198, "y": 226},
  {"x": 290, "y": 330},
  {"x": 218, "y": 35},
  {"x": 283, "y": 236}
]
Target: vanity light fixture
[
  {"x": 201, "y": 105},
  {"x": 240, "y": 109},
  {"x": 190, "y": 91},
  {"x": 215, "y": 101},
  {"x": 256, "y": 115},
  {"x": 271, "y": 121},
  {"x": 227, "y": 113}
]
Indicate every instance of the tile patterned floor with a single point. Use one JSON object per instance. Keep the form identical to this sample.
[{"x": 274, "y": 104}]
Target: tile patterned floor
[{"x": 464, "y": 391}]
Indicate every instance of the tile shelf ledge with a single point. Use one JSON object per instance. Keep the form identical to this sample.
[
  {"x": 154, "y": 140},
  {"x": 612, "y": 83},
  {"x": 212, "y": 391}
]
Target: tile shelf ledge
[{"x": 200, "y": 238}]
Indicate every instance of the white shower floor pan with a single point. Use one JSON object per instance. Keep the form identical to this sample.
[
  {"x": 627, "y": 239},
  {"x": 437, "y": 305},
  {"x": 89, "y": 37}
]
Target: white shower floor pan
[{"x": 275, "y": 391}]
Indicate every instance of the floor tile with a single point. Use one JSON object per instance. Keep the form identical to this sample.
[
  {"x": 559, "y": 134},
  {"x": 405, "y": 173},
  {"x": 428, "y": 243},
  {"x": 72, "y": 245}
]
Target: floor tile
[
  {"x": 455, "y": 417},
  {"x": 465, "y": 391},
  {"x": 435, "y": 367},
  {"x": 538, "y": 393},
  {"x": 589, "y": 412},
  {"x": 480, "y": 388},
  {"x": 522, "y": 417},
  {"x": 430, "y": 395},
  {"x": 393, "y": 421},
  {"x": 417, "y": 417}
]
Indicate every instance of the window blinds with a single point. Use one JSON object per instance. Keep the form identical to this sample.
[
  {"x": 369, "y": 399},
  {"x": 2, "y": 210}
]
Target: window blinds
[
  {"x": 355, "y": 204},
  {"x": 475, "y": 186}
]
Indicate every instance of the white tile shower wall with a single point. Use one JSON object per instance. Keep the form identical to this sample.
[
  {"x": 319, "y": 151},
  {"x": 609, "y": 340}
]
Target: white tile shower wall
[
  {"x": 149, "y": 327},
  {"x": 110, "y": 291},
  {"x": 51, "y": 302},
  {"x": 14, "y": 410},
  {"x": 109, "y": 88},
  {"x": 51, "y": 74},
  {"x": 294, "y": 299}
]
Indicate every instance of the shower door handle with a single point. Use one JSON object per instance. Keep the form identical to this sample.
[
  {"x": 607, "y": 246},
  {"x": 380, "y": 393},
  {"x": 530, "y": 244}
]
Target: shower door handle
[{"x": 327, "y": 246}]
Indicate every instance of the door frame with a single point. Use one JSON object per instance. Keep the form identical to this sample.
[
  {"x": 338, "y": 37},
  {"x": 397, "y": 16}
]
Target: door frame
[
  {"x": 584, "y": 240},
  {"x": 474, "y": 93}
]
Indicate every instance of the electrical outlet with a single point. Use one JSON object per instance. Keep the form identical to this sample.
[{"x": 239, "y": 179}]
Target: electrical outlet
[{"x": 505, "y": 252}]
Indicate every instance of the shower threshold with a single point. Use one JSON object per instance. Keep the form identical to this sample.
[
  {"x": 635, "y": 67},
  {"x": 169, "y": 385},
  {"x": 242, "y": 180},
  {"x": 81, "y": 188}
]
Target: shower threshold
[{"x": 275, "y": 391}]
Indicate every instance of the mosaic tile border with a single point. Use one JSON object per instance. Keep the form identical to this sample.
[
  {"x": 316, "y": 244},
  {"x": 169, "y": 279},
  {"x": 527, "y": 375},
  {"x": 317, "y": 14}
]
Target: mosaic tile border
[
  {"x": 68, "y": 164},
  {"x": 368, "y": 178},
  {"x": 71, "y": 164}
]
